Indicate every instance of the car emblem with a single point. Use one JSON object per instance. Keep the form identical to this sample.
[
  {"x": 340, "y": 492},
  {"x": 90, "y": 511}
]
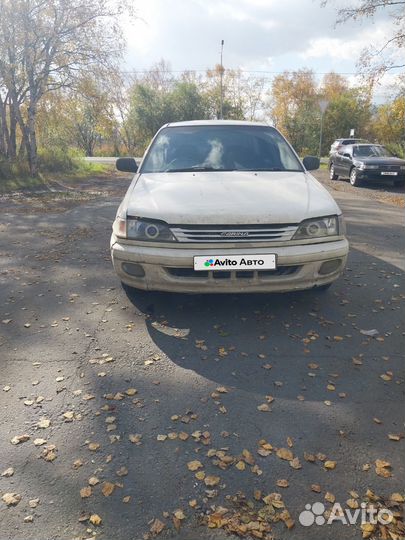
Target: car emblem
[{"x": 235, "y": 233}]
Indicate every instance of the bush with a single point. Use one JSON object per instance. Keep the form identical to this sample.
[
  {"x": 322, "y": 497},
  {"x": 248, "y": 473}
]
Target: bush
[
  {"x": 56, "y": 159},
  {"x": 397, "y": 149},
  {"x": 13, "y": 169}
]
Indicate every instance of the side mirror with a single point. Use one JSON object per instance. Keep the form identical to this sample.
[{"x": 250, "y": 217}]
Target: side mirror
[
  {"x": 126, "y": 164},
  {"x": 347, "y": 155},
  {"x": 311, "y": 163}
]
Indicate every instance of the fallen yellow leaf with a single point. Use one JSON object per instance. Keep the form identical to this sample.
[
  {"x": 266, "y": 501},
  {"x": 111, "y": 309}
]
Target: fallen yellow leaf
[
  {"x": 95, "y": 519},
  {"x": 194, "y": 465},
  {"x": 85, "y": 492},
  {"x": 211, "y": 480},
  {"x": 284, "y": 453},
  {"x": 107, "y": 488}
]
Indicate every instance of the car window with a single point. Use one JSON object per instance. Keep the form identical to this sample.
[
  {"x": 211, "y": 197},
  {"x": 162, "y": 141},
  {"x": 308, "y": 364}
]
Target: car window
[
  {"x": 222, "y": 148},
  {"x": 371, "y": 151}
]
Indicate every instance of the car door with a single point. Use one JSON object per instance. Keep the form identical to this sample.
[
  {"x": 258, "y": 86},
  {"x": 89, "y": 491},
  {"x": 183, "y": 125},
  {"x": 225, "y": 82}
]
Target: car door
[
  {"x": 346, "y": 161},
  {"x": 338, "y": 160}
]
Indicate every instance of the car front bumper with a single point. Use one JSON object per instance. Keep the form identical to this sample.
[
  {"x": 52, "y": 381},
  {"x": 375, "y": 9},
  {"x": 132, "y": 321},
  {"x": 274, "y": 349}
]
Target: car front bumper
[
  {"x": 172, "y": 268},
  {"x": 376, "y": 176}
]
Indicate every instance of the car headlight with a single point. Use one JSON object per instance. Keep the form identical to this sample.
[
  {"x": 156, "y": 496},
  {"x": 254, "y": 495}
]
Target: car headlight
[
  {"x": 359, "y": 164},
  {"x": 144, "y": 230},
  {"x": 320, "y": 227},
  {"x": 402, "y": 167}
]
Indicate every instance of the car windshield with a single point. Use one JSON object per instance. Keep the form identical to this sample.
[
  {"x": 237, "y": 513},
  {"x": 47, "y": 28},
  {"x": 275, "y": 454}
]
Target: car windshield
[
  {"x": 219, "y": 148},
  {"x": 371, "y": 150}
]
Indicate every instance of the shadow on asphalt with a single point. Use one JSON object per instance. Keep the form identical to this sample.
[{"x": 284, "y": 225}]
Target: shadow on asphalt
[{"x": 254, "y": 345}]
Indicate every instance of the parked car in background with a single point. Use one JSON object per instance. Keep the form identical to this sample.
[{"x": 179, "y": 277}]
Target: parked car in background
[
  {"x": 226, "y": 206},
  {"x": 339, "y": 143},
  {"x": 367, "y": 162}
]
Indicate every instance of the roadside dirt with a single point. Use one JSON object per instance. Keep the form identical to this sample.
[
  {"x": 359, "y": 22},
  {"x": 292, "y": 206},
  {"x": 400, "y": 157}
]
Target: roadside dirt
[
  {"x": 382, "y": 192},
  {"x": 62, "y": 194}
]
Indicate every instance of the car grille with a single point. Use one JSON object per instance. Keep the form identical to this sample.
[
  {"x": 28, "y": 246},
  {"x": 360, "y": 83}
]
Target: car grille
[
  {"x": 393, "y": 168},
  {"x": 234, "y": 233},
  {"x": 190, "y": 273}
]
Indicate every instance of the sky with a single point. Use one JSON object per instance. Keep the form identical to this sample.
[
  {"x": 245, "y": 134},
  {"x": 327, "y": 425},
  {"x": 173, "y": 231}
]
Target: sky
[{"x": 266, "y": 36}]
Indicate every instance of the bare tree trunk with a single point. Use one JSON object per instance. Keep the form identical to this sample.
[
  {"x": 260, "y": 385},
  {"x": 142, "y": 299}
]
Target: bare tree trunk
[
  {"x": 32, "y": 149},
  {"x": 3, "y": 128},
  {"x": 12, "y": 143}
]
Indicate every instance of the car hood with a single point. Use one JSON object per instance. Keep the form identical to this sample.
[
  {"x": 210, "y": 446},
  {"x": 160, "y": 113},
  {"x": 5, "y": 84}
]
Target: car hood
[
  {"x": 235, "y": 197},
  {"x": 381, "y": 160}
]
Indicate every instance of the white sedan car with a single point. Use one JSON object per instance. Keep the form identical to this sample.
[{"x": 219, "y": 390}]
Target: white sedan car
[{"x": 226, "y": 206}]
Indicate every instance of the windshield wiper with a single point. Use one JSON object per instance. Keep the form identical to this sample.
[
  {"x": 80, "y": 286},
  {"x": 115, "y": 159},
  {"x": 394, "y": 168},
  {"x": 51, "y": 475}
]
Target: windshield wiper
[
  {"x": 274, "y": 169},
  {"x": 197, "y": 168}
]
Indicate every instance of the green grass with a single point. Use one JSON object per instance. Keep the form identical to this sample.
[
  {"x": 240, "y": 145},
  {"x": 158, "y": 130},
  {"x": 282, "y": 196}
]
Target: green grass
[
  {"x": 20, "y": 181},
  {"x": 82, "y": 169},
  {"x": 19, "y": 184}
]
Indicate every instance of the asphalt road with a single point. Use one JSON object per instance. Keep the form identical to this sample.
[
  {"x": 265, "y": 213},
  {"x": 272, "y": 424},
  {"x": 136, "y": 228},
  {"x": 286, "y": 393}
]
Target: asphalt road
[{"x": 96, "y": 368}]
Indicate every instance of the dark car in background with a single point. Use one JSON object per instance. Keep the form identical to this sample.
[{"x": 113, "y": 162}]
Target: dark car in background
[
  {"x": 339, "y": 143},
  {"x": 366, "y": 162}
]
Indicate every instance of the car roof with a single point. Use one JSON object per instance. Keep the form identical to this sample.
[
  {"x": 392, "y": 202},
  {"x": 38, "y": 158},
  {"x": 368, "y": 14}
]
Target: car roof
[
  {"x": 349, "y": 139},
  {"x": 365, "y": 144},
  {"x": 216, "y": 123}
]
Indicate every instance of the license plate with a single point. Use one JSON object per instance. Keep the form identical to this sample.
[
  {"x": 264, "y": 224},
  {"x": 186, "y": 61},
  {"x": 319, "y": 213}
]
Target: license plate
[
  {"x": 235, "y": 262},
  {"x": 389, "y": 173}
]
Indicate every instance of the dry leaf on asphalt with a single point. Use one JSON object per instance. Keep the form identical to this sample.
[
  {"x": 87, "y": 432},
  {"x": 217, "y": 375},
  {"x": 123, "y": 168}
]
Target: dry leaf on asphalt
[
  {"x": 157, "y": 527},
  {"x": 179, "y": 514},
  {"x": 285, "y": 453},
  {"x": 49, "y": 452},
  {"x": 295, "y": 463},
  {"x": 11, "y": 499},
  {"x": 93, "y": 481},
  {"x": 93, "y": 446},
  {"x": 122, "y": 471},
  {"x": 383, "y": 468},
  {"x": 18, "y": 439},
  {"x": 194, "y": 465},
  {"x": 85, "y": 492},
  {"x": 330, "y": 497},
  {"x": 107, "y": 488},
  {"x": 135, "y": 438},
  {"x": 394, "y": 436},
  {"x": 263, "y": 407},
  {"x": 283, "y": 483},
  {"x": 211, "y": 481},
  {"x": 40, "y": 442},
  {"x": 95, "y": 519},
  {"x": 397, "y": 497}
]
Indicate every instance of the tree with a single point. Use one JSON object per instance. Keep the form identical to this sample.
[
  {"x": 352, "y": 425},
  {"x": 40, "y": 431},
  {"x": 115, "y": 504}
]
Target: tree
[
  {"x": 348, "y": 108},
  {"x": 378, "y": 59},
  {"x": 388, "y": 125},
  {"x": 294, "y": 108},
  {"x": 44, "y": 46},
  {"x": 187, "y": 102}
]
